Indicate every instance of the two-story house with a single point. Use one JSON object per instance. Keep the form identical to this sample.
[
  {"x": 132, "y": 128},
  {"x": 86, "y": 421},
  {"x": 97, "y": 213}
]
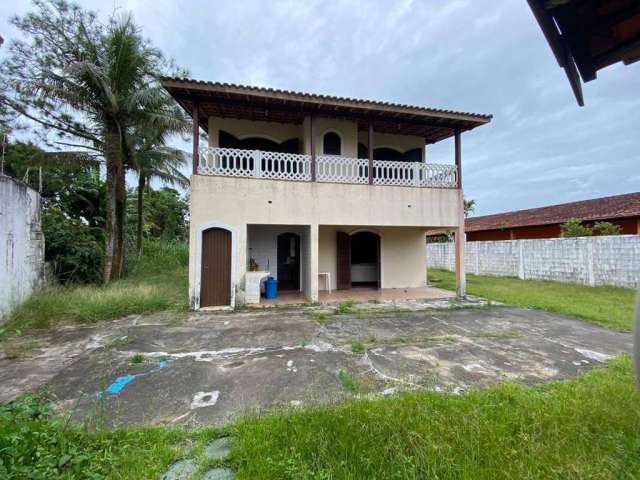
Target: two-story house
[{"x": 321, "y": 192}]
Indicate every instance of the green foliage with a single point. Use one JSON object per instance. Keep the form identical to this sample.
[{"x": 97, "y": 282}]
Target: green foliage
[
  {"x": 35, "y": 444},
  {"x": 75, "y": 250},
  {"x": 574, "y": 228},
  {"x": 608, "y": 306},
  {"x": 469, "y": 207},
  {"x": 345, "y": 307},
  {"x": 358, "y": 347},
  {"x": 137, "y": 358},
  {"x": 165, "y": 215},
  {"x": 157, "y": 281},
  {"x": 607, "y": 228},
  {"x": 568, "y": 429},
  {"x": 348, "y": 382}
]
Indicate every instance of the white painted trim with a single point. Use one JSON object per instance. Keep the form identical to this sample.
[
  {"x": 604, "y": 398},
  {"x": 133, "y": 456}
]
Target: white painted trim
[
  {"x": 381, "y": 259},
  {"x": 337, "y": 132},
  {"x": 198, "y": 266}
]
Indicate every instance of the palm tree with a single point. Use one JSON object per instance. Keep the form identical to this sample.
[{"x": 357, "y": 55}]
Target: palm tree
[{"x": 119, "y": 80}]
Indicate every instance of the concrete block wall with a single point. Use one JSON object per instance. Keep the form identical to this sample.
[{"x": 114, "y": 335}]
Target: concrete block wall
[
  {"x": 21, "y": 242},
  {"x": 603, "y": 260}
]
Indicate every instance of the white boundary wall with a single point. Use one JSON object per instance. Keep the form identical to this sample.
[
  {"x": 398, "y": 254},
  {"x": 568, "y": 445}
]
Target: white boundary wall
[
  {"x": 602, "y": 260},
  {"x": 21, "y": 243}
]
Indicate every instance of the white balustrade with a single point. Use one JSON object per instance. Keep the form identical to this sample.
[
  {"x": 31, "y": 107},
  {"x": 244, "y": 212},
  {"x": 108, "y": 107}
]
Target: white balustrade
[
  {"x": 233, "y": 162},
  {"x": 332, "y": 168}
]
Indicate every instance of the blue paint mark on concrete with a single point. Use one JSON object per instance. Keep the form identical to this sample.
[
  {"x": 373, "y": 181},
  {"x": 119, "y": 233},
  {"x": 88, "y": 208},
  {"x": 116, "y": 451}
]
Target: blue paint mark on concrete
[{"x": 121, "y": 382}]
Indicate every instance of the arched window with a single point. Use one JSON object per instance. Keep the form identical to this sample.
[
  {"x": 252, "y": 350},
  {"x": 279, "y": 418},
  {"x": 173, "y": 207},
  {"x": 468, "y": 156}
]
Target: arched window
[{"x": 331, "y": 144}]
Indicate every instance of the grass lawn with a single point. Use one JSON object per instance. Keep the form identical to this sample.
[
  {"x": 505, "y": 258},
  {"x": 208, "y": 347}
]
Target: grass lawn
[
  {"x": 608, "y": 306},
  {"x": 157, "y": 281},
  {"x": 588, "y": 427}
]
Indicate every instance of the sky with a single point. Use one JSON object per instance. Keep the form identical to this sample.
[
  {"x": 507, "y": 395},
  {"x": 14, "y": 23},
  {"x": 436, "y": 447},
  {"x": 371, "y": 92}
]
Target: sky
[{"x": 478, "y": 56}]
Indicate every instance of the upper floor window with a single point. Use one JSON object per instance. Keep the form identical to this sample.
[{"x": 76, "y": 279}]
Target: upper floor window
[{"x": 331, "y": 144}]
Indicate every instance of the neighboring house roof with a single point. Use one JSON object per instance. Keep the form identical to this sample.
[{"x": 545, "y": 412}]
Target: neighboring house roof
[
  {"x": 589, "y": 35},
  {"x": 619, "y": 206},
  {"x": 269, "y": 104}
]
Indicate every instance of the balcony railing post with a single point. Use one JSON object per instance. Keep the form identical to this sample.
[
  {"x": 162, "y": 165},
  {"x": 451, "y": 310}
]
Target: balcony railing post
[
  {"x": 257, "y": 163},
  {"x": 416, "y": 174}
]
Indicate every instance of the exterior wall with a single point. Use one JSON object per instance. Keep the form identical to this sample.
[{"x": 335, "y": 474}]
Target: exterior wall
[
  {"x": 603, "y": 260},
  {"x": 239, "y": 202},
  {"x": 21, "y": 242},
  {"x": 262, "y": 243},
  {"x": 348, "y": 132},
  {"x": 278, "y": 132},
  {"x": 629, "y": 226},
  {"x": 402, "y": 143},
  {"x": 402, "y": 254}
]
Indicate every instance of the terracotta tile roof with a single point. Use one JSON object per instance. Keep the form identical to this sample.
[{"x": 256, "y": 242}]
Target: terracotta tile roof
[{"x": 618, "y": 206}]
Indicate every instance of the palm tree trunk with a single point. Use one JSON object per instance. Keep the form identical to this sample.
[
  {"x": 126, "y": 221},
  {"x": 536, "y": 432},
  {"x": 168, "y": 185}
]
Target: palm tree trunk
[
  {"x": 113, "y": 158},
  {"x": 141, "y": 184}
]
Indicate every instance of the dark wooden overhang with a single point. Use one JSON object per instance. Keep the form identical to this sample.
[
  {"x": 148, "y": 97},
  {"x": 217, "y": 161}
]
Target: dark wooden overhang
[
  {"x": 589, "y": 35},
  {"x": 266, "y": 104}
]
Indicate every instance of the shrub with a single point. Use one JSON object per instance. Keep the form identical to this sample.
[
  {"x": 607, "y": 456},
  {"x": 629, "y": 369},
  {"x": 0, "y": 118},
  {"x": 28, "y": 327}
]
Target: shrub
[
  {"x": 74, "y": 249},
  {"x": 607, "y": 228},
  {"x": 574, "y": 228}
]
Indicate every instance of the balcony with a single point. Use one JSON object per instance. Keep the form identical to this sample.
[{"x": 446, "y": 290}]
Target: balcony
[{"x": 231, "y": 162}]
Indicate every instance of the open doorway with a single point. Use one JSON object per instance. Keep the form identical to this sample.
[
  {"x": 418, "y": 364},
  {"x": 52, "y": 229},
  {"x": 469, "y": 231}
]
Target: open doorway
[
  {"x": 288, "y": 261},
  {"x": 365, "y": 260}
]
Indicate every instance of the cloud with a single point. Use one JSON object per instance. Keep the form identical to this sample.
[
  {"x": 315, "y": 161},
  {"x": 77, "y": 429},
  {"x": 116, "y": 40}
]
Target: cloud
[{"x": 484, "y": 56}]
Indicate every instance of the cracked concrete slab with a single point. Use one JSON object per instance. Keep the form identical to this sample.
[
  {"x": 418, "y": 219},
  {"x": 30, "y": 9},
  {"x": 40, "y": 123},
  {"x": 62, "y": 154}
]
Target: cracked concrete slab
[{"x": 212, "y": 368}]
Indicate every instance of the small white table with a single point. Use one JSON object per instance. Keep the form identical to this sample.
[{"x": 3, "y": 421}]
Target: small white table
[{"x": 327, "y": 280}]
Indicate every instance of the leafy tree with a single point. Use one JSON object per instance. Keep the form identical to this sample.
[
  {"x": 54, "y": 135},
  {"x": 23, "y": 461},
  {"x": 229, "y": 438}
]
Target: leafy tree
[
  {"x": 90, "y": 84},
  {"x": 469, "y": 207},
  {"x": 574, "y": 228},
  {"x": 73, "y": 249},
  {"x": 607, "y": 228},
  {"x": 166, "y": 215}
]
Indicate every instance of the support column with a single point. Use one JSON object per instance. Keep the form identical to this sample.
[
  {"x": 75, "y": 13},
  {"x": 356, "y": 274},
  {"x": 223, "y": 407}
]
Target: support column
[
  {"x": 461, "y": 279},
  {"x": 312, "y": 144},
  {"x": 312, "y": 279},
  {"x": 370, "y": 150},
  {"x": 196, "y": 137}
]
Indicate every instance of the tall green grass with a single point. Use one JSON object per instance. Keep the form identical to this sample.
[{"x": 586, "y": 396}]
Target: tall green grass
[
  {"x": 156, "y": 281},
  {"x": 607, "y": 306}
]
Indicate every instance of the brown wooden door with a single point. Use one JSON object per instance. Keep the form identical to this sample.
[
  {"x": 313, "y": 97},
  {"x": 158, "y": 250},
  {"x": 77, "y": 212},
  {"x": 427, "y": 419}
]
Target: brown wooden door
[
  {"x": 344, "y": 261},
  {"x": 215, "y": 279}
]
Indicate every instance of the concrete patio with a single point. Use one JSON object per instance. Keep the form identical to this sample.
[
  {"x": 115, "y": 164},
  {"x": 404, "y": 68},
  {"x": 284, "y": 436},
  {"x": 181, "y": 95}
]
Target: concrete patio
[{"x": 211, "y": 368}]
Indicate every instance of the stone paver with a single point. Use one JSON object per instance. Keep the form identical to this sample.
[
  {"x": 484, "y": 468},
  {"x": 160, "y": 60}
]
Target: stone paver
[
  {"x": 218, "y": 448},
  {"x": 219, "y": 474},
  {"x": 213, "y": 368},
  {"x": 181, "y": 470}
]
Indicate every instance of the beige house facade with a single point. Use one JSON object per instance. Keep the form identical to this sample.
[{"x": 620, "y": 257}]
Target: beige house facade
[{"x": 320, "y": 193}]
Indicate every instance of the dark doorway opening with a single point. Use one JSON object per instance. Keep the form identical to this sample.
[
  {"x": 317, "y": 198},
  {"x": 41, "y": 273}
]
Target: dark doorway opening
[
  {"x": 288, "y": 261},
  {"x": 365, "y": 260}
]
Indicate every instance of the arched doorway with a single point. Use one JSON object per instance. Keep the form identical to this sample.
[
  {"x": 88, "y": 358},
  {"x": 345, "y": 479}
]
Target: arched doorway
[
  {"x": 215, "y": 274},
  {"x": 289, "y": 261},
  {"x": 365, "y": 259}
]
